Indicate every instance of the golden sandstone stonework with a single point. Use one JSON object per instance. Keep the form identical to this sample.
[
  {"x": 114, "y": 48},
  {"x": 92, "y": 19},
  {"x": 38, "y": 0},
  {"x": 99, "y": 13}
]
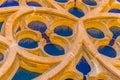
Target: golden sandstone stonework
[{"x": 60, "y": 40}]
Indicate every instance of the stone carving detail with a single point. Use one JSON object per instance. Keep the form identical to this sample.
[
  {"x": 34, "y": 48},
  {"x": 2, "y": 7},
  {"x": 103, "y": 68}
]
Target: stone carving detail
[{"x": 60, "y": 39}]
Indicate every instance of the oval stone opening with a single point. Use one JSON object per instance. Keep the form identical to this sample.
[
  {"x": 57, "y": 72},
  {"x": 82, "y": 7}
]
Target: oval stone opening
[
  {"x": 28, "y": 43},
  {"x": 96, "y": 33},
  {"x": 32, "y": 3},
  {"x": 114, "y": 10},
  {"x": 107, "y": 51},
  {"x": 76, "y": 12},
  {"x": 62, "y": 1},
  {"x": 54, "y": 49},
  {"x": 63, "y": 30},
  {"x": 10, "y": 3},
  {"x": 38, "y": 26},
  {"x": 90, "y": 2}
]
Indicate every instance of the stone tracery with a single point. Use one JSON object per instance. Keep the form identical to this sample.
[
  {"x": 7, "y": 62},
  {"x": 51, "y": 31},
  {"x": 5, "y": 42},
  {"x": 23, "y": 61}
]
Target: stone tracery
[{"x": 79, "y": 48}]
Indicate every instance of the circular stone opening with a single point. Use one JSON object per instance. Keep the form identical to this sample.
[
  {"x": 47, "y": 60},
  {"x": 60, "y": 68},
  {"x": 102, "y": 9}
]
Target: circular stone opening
[
  {"x": 38, "y": 26},
  {"x": 63, "y": 30},
  {"x": 54, "y": 49},
  {"x": 1, "y": 56},
  {"x": 69, "y": 79},
  {"x": 32, "y": 3},
  {"x": 10, "y": 3},
  {"x": 76, "y": 12},
  {"x": 96, "y": 33},
  {"x": 90, "y": 2},
  {"x": 116, "y": 31},
  {"x": 28, "y": 43},
  {"x": 114, "y": 10},
  {"x": 107, "y": 51},
  {"x": 62, "y": 1}
]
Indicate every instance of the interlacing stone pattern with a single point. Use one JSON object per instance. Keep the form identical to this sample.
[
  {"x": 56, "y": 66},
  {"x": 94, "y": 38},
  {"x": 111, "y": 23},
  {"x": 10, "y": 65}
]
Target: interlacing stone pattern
[{"x": 59, "y": 39}]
